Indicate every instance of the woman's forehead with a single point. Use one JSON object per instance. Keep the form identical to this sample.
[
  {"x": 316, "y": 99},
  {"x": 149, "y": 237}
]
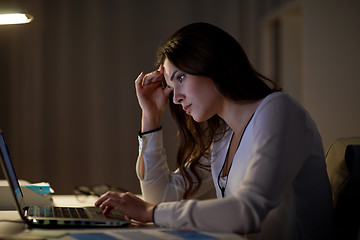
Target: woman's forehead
[
  {"x": 169, "y": 70},
  {"x": 169, "y": 65}
]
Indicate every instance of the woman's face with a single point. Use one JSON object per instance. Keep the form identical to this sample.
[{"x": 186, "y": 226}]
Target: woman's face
[{"x": 197, "y": 94}]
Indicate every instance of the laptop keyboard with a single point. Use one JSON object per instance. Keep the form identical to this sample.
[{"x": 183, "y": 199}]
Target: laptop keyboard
[{"x": 57, "y": 212}]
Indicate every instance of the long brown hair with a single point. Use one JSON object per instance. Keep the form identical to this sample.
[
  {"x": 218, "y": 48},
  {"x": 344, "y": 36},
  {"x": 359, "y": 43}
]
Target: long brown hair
[{"x": 206, "y": 50}]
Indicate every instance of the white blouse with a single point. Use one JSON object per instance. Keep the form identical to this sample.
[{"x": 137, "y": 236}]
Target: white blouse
[{"x": 277, "y": 187}]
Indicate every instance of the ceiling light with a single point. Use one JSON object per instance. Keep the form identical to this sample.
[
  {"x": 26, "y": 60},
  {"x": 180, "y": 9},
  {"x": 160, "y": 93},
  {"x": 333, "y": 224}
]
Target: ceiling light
[{"x": 15, "y": 18}]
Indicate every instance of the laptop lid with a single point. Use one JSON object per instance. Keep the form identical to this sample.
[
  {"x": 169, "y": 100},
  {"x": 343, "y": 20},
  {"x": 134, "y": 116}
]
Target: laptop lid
[{"x": 10, "y": 174}]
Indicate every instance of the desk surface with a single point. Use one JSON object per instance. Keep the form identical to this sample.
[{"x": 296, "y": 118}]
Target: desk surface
[{"x": 11, "y": 225}]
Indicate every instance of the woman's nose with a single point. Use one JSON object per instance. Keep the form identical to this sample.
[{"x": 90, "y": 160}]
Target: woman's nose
[{"x": 178, "y": 97}]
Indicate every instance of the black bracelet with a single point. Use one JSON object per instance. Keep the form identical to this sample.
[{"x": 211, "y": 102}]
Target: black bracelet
[{"x": 151, "y": 131}]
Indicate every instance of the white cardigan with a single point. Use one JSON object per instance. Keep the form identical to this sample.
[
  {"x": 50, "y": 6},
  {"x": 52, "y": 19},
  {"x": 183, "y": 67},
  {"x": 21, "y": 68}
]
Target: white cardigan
[{"x": 277, "y": 186}]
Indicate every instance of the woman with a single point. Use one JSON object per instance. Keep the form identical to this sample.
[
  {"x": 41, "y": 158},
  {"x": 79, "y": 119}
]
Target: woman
[{"x": 238, "y": 133}]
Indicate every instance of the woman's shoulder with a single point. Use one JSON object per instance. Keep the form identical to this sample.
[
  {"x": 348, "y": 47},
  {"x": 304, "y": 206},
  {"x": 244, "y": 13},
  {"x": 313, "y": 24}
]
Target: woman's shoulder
[
  {"x": 277, "y": 96},
  {"x": 279, "y": 106},
  {"x": 280, "y": 100}
]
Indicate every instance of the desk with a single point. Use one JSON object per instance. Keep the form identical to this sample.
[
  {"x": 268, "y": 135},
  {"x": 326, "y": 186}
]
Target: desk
[{"x": 19, "y": 230}]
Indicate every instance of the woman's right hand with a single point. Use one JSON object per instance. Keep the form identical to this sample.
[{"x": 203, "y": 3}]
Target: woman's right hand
[{"x": 152, "y": 98}]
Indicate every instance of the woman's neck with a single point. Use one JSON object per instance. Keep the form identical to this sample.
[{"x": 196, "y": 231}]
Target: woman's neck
[{"x": 237, "y": 115}]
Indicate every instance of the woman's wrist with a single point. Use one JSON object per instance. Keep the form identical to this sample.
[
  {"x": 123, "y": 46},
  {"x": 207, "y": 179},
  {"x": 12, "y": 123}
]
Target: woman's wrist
[
  {"x": 149, "y": 123},
  {"x": 150, "y": 131},
  {"x": 153, "y": 213}
]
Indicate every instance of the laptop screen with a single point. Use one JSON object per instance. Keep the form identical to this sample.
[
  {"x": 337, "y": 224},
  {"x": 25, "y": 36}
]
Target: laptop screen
[{"x": 10, "y": 174}]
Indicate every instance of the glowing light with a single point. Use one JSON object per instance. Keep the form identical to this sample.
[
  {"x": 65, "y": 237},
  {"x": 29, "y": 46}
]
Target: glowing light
[{"x": 15, "y": 18}]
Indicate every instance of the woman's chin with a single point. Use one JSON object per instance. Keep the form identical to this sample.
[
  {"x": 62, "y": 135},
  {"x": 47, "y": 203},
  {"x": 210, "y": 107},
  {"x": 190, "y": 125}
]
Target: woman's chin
[{"x": 198, "y": 119}]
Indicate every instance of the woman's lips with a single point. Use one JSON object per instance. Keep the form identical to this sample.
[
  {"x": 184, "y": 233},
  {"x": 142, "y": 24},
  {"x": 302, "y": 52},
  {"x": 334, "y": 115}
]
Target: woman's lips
[{"x": 186, "y": 108}]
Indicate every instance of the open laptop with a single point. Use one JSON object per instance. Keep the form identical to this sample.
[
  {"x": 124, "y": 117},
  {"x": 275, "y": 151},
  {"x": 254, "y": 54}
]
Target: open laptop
[{"x": 50, "y": 216}]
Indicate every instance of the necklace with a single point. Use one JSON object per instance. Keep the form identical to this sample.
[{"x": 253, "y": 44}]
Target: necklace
[{"x": 222, "y": 186}]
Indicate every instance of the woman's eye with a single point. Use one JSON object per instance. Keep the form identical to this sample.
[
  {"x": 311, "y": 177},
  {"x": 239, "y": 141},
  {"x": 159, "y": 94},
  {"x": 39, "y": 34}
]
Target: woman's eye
[{"x": 181, "y": 78}]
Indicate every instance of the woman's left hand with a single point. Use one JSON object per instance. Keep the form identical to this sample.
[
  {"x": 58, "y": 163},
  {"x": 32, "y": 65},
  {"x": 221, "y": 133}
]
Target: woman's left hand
[{"x": 128, "y": 204}]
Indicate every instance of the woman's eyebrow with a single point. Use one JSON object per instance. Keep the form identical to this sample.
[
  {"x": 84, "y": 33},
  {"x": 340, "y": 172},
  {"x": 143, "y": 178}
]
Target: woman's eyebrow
[{"x": 172, "y": 76}]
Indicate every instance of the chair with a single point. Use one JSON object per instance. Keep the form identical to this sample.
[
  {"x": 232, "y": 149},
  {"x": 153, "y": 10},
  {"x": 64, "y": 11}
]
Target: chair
[{"x": 343, "y": 165}]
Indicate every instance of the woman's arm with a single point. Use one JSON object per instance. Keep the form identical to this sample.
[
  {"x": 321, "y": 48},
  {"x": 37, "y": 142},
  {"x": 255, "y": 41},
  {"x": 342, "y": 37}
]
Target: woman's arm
[
  {"x": 159, "y": 183},
  {"x": 152, "y": 99}
]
